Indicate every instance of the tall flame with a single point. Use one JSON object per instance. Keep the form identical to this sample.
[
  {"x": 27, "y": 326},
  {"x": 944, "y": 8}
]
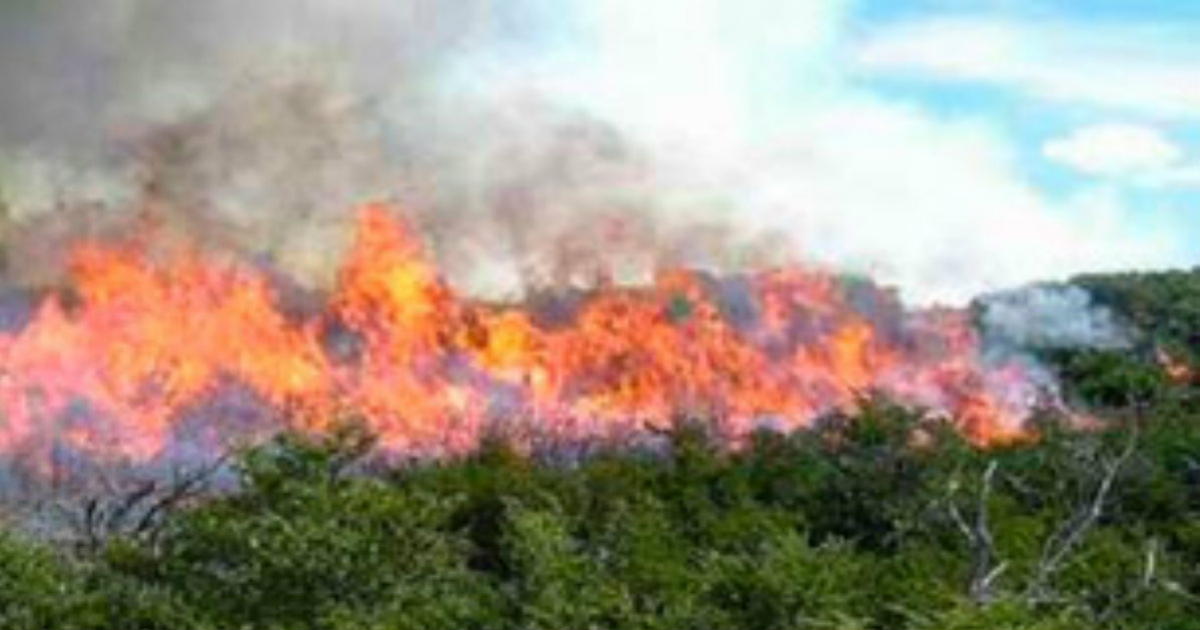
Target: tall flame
[{"x": 121, "y": 368}]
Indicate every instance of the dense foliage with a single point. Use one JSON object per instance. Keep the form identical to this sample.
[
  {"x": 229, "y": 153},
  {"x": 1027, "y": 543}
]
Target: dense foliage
[
  {"x": 1163, "y": 306},
  {"x": 886, "y": 519}
]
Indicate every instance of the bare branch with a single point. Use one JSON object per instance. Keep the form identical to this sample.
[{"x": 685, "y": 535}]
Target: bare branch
[
  {"x": 1060, "y": 546},
  {"x": 984, "y": 569},
  {"x": 138, "y": 511},
  {"x": 184, "y": 489},
  {"x": 1150, "y": 569}
]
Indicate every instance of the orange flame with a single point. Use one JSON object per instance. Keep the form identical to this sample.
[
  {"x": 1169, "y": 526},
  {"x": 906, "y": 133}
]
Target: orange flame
[
  {"x": 1176, "y": 369},
  {"x": 119, "y": 372}
]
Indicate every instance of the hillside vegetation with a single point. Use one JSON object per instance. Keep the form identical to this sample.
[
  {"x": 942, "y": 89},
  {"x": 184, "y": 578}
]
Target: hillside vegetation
[{"x": 884, "y": 519}]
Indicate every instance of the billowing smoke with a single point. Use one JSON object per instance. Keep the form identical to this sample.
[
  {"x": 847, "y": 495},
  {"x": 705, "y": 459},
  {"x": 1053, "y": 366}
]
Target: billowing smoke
[
  {"x": 536, "y": 141},
  {"x": 1044, "y": 317},
  {"x": 1017, "y": 325},
  {"x": 259, "y": 127}
]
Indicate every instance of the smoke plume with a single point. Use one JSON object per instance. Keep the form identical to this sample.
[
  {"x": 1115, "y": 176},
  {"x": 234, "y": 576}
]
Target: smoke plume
[
  {"x": 258, "y": 127},
  {"x": 1046, "y": 317},
  {"x": 535, "y": 143}
]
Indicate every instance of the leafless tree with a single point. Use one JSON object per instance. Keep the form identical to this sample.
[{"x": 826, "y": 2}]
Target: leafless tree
[
  {"x": 986, "y": 567},
  {"x": 986, "y": 564},
  {"x": 1059, "y": 547}
]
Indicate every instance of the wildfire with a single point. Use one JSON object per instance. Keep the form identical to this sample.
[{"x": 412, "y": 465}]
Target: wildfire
[
  {"x": 151, "y": 354},
  {"x": 1176, "y": 369}
]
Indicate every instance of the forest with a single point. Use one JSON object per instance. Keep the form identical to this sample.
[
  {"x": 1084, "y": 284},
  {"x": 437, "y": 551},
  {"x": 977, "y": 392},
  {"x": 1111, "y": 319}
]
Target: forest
[{"x": 884, "y": 518}]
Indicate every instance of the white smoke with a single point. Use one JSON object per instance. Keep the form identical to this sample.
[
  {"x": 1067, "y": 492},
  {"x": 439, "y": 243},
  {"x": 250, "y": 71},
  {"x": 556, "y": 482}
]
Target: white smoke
[
  {"x": 1050, "y": 317},
  {"x": 758, "y": 105},
  {"x": 514, "y": 129}
]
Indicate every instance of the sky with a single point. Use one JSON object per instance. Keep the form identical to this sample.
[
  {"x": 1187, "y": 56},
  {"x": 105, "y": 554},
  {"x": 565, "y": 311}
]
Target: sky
[{"x": 949, "y": 147}]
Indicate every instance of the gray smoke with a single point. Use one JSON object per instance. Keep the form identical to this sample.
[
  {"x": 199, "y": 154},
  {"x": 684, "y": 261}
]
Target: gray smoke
[
  {"x": 259, "y": 126},
  {"x": 1047, "y": 317},
  {"x": 243, "y": 123}
]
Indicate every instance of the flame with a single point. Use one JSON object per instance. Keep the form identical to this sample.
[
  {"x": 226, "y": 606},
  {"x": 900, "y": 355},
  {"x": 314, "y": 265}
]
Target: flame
[
  {"x": 1177, "y": 370},
  {"x": 119, "y": 369}
]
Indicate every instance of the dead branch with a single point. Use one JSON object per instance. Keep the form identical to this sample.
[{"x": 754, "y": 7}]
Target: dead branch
[
  {"x": 138, "y": 511},
  {"x": 1150, "y": 568},
  {"x": 184, "y": 488},
  {"x": 984, "y": 569},
  {"x": 1058, "y": 547}
]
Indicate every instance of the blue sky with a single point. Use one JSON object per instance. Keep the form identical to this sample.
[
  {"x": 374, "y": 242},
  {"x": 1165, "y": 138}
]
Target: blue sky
[
  {"x": 948, "y": 146},
  {"x": 1159, "y": 35},
  {"x": 1046, "y": 93}
]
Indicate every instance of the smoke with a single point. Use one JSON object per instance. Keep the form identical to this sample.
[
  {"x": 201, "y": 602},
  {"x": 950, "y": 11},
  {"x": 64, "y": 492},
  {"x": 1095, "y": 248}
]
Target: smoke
[
  {"x": 535, "y": 142},
  {"x": 249, "y": 125},
  {"x": 258, "y": 127},
  {"x": 1050, "y": 317}
]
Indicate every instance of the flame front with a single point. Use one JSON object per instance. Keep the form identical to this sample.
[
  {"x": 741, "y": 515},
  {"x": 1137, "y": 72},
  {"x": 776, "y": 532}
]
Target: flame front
[{"x": 122, "y": 368}]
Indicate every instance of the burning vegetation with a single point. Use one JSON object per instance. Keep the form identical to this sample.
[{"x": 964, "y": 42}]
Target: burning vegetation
[
  {"x": 567, "y": 375},
  {"x": 151, "y": 353}
]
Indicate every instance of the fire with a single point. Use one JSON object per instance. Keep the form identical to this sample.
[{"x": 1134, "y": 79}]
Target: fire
[
  {"x": 141, "y": 357},
  {"x": 1176, "y": 369}
]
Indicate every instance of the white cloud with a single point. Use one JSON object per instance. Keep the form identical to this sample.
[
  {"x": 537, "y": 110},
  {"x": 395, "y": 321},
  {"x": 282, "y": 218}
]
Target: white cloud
[
  {"x": 1151, "y": 70},
  {"x": 1114, "y": 150},
  {"x": 1182, "y": 176},
  {"x": 694, "y": 68},
  {"x": 1135, "y": 155},
  {"x": 939, "y": 206}
]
